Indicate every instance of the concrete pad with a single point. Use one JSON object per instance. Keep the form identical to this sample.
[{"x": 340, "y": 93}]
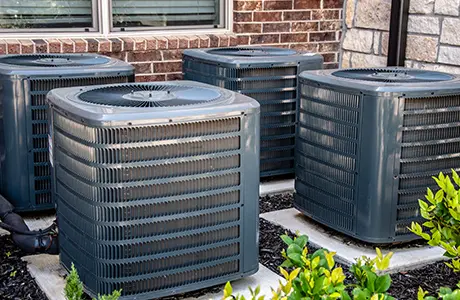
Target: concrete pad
[
  {"x": 276, "y": 187},
  {"x": 49, "y": 276},
  {"x": 403, "y": 258},
  {"x": 36, "y": 222}
]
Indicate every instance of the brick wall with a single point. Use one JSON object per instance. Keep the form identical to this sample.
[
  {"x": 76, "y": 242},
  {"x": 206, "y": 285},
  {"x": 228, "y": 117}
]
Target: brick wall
[
  {"x": 309, "y": 25},
  {"x": 433, "y": 38}
]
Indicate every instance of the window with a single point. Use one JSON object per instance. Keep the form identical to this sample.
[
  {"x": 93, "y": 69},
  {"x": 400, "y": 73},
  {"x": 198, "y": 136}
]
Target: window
[{"x": 105, "y": 16}]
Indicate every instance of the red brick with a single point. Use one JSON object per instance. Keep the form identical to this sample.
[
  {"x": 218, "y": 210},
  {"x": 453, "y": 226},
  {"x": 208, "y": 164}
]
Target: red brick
[
  {"x": 27, "y": 46},
  {"x": 40, "y": 46},
  {"x": 194, "y": 42},
  {"x": 304, "y": 26},
  {"x": 67, "y": 46},
  {"x": 247, "y": 28},
  {"x": 294, "y": 38},
  {"x": 80, "y": 45},
  {"x": 167, "y": 67},
  {"x": 329, "y": 47},
  {"x": 54, "y": 46},
  {"x": 307, "y": 4},
  {"x": 174, "y": 76},
  {"x": 149, "y": 78},
  {"x": 104, "y": 45},
  {"x": 143, "y": 68},
  {"x": 139, "y": 44},
  {"x": 267, "y": 16},
  {"x": 331, "y": 66},
  {"x": 173, "y": 42},
  {"x": 224, "y": 40},
  {"x": 2, "y": 47},
  {"x": 204, "y": 41},
  {"x": 247, "y": 5},
  {"x": 93, "y": 45},
  {"x": 117, "y": 45},
  {"x": 307, "y": 47},
  {"x": 330, "y": 25},
  {"x": 128, "y": 44},
  {"x": 162, "y": 43},
  {"x": 332, "y": 3},
  {"x": 213, "y": 41},
  {"x": 242, "y": 17},
  {"x": 144, "y": 56},
  {"x": 325, "y": 15},
  {"x": 277, "y": 5},
  {"x": 265, "y": 39},
  {"x": 14, "y": 47},
  {"x": 183, "y": 42},
  {"x": 172, "y": 54},
  {"x": 328, "y": 57},
  {"x": 242, "y": 40},
  {"x": 297, "y": 15},
  {"x": 322, "y": 36},
  {"x": 233, "y": 40},
  {"x": 276, "y": 27},
  {"x": 151, "y": 44}
]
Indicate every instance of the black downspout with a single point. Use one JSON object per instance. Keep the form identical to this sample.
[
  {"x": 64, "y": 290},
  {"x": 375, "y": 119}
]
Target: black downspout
[{"x": 398, "y": 33}]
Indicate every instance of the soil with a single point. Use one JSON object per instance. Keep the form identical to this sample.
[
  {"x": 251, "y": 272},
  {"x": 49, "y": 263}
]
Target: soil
[{"x": 16, "y": 283}]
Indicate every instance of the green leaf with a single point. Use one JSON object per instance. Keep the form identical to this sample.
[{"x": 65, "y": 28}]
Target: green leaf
[
  {"x": 257, "y": 290},
  {"x": 421, "y": 294},
  {"x": 439, "y": 196},
  {"x": 423, "y": 205},
  {"x": 444, "y": 291},
  {"x": 287, "y": 264},
  {"x": 286, "y": 239},
  {"x": 430, "y": 196},
  {"x": 428, "y": 224},
  {"x": 455, "y": 177},
  {"x": 228, "y": 290},
  {"x": 301, "y": 241},
  {"x": 293, "y": 248},
  {"x": 370, "y": 284},
  {"x": 382, "y": 283},
  {"x": 318, "y": 285},
  {"x": 345, "y": 296},
  {"x": 296, "y": 259}
]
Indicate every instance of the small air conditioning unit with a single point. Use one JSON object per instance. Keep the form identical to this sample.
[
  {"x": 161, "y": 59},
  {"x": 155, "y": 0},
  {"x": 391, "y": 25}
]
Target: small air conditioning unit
[
  {"x": 156, "y": 185},
  {"x": 268, "y": 75},
  {"x": 369, "y": 142},
  {"x": 25, "y": 81}
]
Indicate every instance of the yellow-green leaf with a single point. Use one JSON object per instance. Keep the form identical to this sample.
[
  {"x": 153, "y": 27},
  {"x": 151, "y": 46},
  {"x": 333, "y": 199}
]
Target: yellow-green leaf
[
  {"x": 228, "y": 290},
  {"x": 294, "y": 274},
  {"x": 421, "y": 294},
  {"x": 284, "y": 273},
  {"x": 315, "y": 262}
]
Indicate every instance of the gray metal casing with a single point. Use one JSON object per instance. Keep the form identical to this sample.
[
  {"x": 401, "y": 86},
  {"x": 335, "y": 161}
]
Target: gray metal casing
[
  {"x": 25, "y": 176},
  {"x": 366, "y": 151},
  {"x": 271, "y": 80},
  {"x": 156, "y": 200}
]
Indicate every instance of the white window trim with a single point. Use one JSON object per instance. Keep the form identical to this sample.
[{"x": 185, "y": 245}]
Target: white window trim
[{"x": 103, "y": 28}]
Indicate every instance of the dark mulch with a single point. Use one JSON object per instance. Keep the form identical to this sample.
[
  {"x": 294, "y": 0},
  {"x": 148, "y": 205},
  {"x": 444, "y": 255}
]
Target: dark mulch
[
  {"x": 275, "y": 202},
  {"x": 15, "y": 280}
]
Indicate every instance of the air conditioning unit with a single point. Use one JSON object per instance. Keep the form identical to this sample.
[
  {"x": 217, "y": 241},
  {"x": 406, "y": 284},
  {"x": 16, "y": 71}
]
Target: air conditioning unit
[
  {"x": 156, "y": 185},
  {"x": 268, "y": 75},
  {"x": 25, "y": 81},
  {"x": 369, "y": 142}
]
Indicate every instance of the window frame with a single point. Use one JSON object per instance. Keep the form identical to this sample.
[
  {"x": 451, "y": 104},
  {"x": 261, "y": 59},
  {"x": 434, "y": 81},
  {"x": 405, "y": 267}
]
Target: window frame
[
  {"x": 95, "y": 16},
  {"x": 103, "y": 26}
]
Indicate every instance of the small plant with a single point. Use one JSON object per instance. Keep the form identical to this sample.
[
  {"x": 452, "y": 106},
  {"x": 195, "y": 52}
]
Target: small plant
[
  {"x": 13, "y": 273},
  {"x": 8, "y": 254},
  {"x": 444, "y": 294},
  {"x": 74, "y": 288},
  {"x": 441, "y": 210}
]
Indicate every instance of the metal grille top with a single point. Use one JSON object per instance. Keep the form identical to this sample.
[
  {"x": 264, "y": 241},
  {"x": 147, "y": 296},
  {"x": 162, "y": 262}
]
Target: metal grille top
[
  {"x": 54, "y": 60},
  {"x": 148, "y": 95},
  {"x": 252, "y": 51},
  {"x": 393, "y": 75}
]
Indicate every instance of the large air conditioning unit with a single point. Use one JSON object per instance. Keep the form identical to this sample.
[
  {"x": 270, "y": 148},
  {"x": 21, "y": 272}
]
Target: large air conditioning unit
[
  {"x": 268, "y": 75},
  {"x": 156, "y": 185},
  {"x": 25, "y": 81},
  {"x": 369, "y": 142}
]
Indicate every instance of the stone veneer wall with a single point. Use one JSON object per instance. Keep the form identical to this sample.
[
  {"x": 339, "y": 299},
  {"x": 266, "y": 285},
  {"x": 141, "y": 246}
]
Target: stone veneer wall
[
  {"x": 433, "y": 37},
  {"x": 312, "y": 25}
]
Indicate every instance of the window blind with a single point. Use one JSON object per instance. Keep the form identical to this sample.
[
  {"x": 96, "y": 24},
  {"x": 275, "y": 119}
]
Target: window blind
[
  {"x": 45, "y": 13},
  {"x": 155, "y": 13}
]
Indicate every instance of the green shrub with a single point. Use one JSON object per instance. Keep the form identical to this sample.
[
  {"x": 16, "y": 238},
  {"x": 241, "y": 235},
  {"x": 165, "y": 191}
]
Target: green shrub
[
  {"x": 73, "y": 289},
  {"x": 441, "y": 210}
]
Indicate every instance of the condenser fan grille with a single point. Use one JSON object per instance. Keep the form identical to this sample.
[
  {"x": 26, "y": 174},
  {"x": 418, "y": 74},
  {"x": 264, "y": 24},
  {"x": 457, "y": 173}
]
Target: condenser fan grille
[
  {"x": 148, "y": 95},
  {"x": 252, "y": 52},
  {"x": 57, "y": 60},
  {"x": 393, "y": 75}
]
